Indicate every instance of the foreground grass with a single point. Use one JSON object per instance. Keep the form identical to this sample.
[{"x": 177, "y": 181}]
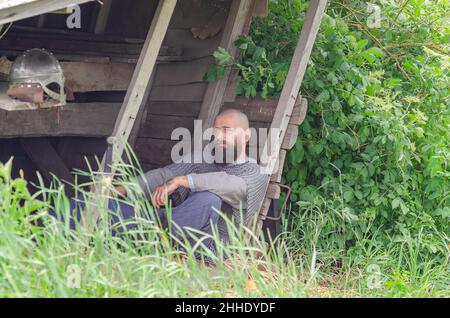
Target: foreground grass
[{"x": 50, "y": 260}]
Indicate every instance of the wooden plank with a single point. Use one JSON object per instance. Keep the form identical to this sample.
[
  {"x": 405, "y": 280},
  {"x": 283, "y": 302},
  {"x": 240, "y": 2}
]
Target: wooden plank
[
  {"x": 182, "y": 38},
  {"x": 102, "y": 17},
  {"x": 40, "y": 23},
  {"x": 6, "y": 149},
  {"x": 290, "y": 137},
  {"x": 263, "y": 212},
  {"x": 45, "y": 157},
  {"x": 132, "y": 18},
  {"x": 181, "y": 109},
  {"x": 215, "y": 24},
  {"x": 61, "y": 44},
  {"x": 179, "y": 73},
  {"x": 261, "y": 8},
  {"x": 72, "y": 150},
  {"x": 276, "y": 176},
  {"x": 57, "y": 34},
  {"x": 13, "y": 10},
  {"x": 231, "y": 89},
  {"x": 299, "y": 112},
  {"x": 67, "y": 45},
  {"x": 256, "y": 109},
  {"x": 294, "y": 79},
  {"x": 215, "y": 92},
  {"x": 179, "y": 44},
  {"x": 154, "y": 151},
  {"x": 193, "y": 13},
  {"x": 102, "y": 76},
  {"x": 273, "y": 191},
  {"x": 232, "y": 86},
  {"x": 89, "y": 119},
  {"x": 177, "y": 93},
  {"x": 158, "y": 126},
  {"x": 139, "y": 86},
  {"x": 142, "y": 114}
]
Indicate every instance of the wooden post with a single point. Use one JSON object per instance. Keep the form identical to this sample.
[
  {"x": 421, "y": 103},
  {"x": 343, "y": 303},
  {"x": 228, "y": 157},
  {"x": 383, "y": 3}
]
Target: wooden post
[
  {"x": 134, "y": 100},
  {"x": 236, "y": 22},
  {"x": 293, "y": 82},
  {"x": 138, "y": 89},
  {"x": 102, "y": 17},
  {"x": 47, "y": 160}
]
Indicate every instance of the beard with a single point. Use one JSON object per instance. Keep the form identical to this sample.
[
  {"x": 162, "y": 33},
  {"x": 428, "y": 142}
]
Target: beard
[{"x": 227, "y": 153}]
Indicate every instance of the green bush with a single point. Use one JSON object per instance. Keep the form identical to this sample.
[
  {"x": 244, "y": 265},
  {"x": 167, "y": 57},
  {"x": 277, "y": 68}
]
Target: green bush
[{"x": 373, "y": 152}]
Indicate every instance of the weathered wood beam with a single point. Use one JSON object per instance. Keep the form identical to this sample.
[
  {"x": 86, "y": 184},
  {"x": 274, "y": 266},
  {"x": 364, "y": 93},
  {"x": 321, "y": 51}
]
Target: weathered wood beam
[
  {"x": 73, "y": 119},
  {"x": 293, "y": 82},
  {"x": 142, "y": 115},
  {"x": 215, "y": 92},
  {"x": 139, "y": 86},
  {"x": 102, "y": 17},
  {"x": 261, "y": 8},
  {"x": 41, "y": 21},
  {"x": 44, "y": 156}
]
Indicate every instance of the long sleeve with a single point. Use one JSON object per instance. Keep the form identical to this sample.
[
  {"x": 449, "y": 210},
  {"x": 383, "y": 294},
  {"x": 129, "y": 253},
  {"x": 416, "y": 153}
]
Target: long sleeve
[
  {"x": 230, "y": 188},
  {"x": 154, "y": 178}
]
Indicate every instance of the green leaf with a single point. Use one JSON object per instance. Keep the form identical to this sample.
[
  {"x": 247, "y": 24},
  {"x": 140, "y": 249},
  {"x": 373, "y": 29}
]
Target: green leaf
[
  {"x": 322, "y": 97},
  {"x": 348, "y": 195},
  {"x": 395, "y": 203}
]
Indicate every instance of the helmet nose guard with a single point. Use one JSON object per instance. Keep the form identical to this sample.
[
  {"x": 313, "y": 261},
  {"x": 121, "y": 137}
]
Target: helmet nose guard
[{"x": 38, "y": 66}]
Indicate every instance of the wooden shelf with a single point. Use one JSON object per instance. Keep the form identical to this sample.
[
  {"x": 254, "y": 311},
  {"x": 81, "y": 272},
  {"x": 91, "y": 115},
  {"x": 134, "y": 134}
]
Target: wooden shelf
[{"x": 73, "y": 119}]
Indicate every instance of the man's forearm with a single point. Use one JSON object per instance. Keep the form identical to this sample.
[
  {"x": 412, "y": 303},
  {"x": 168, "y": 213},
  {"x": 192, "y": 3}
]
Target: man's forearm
[
  {"x": 154, "y": 178},
  {"x": 181, "y": 181}
]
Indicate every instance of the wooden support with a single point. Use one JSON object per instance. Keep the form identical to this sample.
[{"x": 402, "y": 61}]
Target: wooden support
[
  {"x": 299, "y": 112},
  {"x": 139, "y": 86},
  {"x": 264, "y": 209},
  {"x": 273, "y": 191},
  {"x": 141, "y": 116},
  {"x": 276, "y": 176},
  {"x": 290, "y": 137},
  {"x": 261, "y": 8},
  {"x": 293, "y": 82},
  {"x": 46, "y": 159},
  {"x": 102, "y": 17},
  {"x": 102, "y": 76},
  {"x": 260, "y": 110},
  {"x": 13, "y": 10},
  {"x": 41, "y": 21},
  {"x": 215, "y": 92},
  {"x": 84, "y": 119}
]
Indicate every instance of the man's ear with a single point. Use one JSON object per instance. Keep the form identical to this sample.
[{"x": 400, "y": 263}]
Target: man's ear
[{"x": 247, "y": 134}]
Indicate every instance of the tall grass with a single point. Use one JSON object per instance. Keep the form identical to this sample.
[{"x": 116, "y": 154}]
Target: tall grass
[{"x": 41, "y": 256}]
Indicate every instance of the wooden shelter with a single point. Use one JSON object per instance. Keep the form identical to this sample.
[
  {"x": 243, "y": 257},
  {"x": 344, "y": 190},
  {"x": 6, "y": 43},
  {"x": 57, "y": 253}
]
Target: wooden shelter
[{"x": 135, "y": 70}]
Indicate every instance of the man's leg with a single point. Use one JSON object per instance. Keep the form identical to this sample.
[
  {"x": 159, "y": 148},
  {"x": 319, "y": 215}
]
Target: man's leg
[
  {"x": 199, "y": 212},
  {"x": 119, "y": 211}
]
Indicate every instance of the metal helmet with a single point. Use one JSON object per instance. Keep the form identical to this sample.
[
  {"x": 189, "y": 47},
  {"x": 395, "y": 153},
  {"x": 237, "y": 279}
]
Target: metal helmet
[{"x": 39, "y": 66}]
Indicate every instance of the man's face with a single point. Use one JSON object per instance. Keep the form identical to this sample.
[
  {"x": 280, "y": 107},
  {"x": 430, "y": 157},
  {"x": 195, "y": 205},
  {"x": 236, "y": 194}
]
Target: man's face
[{"x": 230, "y": 137}]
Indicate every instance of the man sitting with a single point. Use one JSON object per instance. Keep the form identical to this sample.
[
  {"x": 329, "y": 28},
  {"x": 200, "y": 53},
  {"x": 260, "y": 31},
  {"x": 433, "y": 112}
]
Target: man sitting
[{"x": 199, "y": 190}]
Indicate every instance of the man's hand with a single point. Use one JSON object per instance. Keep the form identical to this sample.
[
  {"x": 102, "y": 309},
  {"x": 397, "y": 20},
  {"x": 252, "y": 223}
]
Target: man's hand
[
  {"x": 160, "y": 194},
  {"x": 120, "y": 190}
]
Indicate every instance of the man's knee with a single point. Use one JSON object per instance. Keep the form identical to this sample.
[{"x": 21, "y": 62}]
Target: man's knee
[{"x": 207, "y": 198}]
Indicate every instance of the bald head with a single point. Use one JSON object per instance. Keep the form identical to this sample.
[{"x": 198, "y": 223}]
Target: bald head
[
  {"x": 232, "y": 132},
  {"x": 235, "y": 118}
]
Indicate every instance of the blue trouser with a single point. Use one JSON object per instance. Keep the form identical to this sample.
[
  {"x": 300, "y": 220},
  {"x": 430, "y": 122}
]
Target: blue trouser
[{"x": 198, "y": 211}]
